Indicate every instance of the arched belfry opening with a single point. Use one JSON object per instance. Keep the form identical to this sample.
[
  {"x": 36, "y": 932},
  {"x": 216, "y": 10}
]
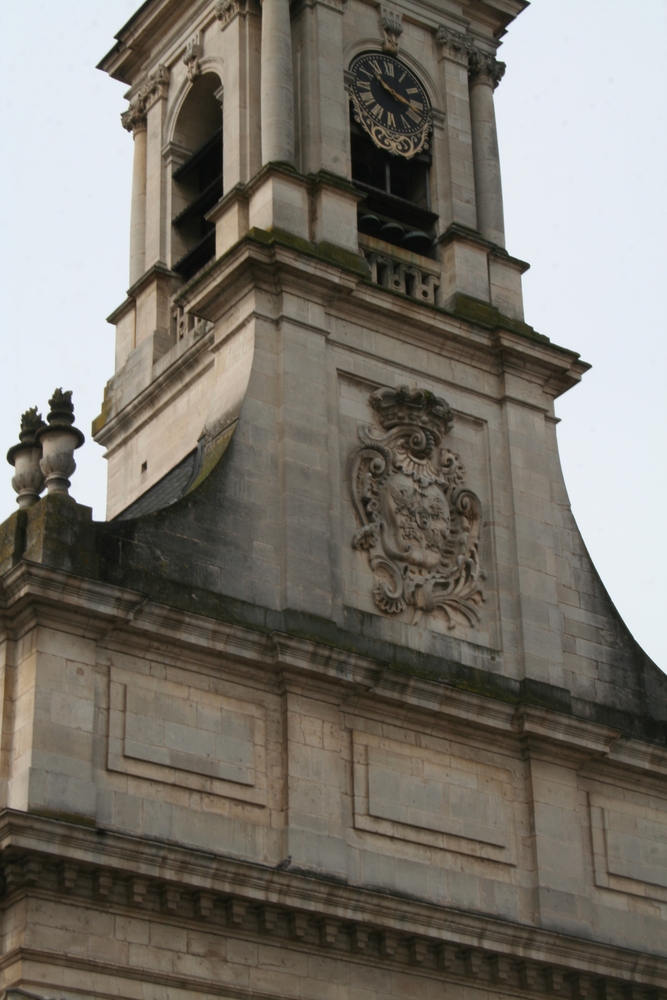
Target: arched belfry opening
[
  {"x": 396, "y": 207},
  {"x": 198, "y": 179},
  {"x": 391, "y": 159}
]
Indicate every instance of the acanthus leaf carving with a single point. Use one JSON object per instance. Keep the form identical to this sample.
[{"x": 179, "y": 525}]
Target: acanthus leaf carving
[
  {"x": 485, "y": 67},
  {"x": 226, "y": 9},
  {"x": 154, "y": 88},
  {"x": 456, "y": 43},
  {"x": 419, "y": 523}
]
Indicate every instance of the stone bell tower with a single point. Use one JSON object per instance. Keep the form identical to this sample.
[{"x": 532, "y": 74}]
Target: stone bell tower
[{"x": 334, "y": 702}]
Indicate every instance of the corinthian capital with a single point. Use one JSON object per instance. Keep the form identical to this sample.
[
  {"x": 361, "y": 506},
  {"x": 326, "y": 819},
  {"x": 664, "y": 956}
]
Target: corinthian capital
[
  {"x": 154, "y": 87},
  {"x": 455, "y": 43},
  {"x": 225, "y": 10},
  {"x": 485, "y": 68},
  {"x": 134, "y": 119}
]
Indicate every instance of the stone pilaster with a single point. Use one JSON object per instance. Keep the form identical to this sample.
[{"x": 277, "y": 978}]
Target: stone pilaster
[
  {"x": 455, "y": 196},
  {"x": 241, "y": 44},
  {"x": 135, "y": 120}
]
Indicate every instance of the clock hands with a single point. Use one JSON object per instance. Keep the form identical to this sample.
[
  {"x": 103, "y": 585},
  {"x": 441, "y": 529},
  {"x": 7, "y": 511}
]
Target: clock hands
[{"x": 390, "y": 90}]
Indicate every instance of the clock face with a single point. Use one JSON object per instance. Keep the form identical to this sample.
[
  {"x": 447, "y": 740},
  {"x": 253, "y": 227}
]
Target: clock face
[{"x": 390, "y": 103}]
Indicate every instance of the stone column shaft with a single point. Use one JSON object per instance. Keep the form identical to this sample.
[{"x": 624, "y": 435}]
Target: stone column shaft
[
  {"x": 277, "y": 89},
  {"x": 134, "y": 120},
  {"x": 485, "y": 74}
]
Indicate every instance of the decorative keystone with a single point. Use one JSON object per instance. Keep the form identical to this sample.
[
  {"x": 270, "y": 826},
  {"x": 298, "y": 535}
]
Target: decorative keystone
[
  {"x": 391, "y": 23},
  {"x": 191, "y": 57},
  {"x": 58, "y": 442},
  {"x": 28, "y": 479}
]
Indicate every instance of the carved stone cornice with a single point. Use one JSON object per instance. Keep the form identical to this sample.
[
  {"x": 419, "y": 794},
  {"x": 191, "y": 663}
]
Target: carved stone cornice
[
  {"x": 485, "y": 68},
  {"x": 455, "y": 44},
  {"x": 49, "y": 858},
  {"x": 391, "y": 23},
  {"x": 153, "y": 89}
]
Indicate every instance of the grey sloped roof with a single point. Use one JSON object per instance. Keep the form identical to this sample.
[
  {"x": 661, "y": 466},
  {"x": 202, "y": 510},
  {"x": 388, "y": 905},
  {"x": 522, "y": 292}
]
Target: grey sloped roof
[{"x": 167, "y": 490}]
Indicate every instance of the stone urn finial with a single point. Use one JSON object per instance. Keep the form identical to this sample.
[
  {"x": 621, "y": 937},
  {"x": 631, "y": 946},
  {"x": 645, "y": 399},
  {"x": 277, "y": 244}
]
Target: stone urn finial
[
  {"x": 59, "y": 441},
  {"x": 28, "y": 479}
]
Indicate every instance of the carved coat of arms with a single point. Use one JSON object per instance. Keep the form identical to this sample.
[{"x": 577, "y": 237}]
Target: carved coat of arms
[{"x": 419, "y": 523}]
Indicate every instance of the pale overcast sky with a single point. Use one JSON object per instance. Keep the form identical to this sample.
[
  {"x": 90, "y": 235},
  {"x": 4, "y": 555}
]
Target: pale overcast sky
[{"x": 581, "y": 116}]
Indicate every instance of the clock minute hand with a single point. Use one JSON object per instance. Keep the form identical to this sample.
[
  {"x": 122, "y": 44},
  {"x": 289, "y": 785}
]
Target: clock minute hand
[{"x": 390, "y": 90}]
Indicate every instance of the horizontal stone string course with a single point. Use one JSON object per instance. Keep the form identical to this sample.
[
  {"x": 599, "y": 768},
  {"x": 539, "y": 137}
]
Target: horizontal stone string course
[
  {"x": 396, "y": 275},
  {"x": 458, "y": 962}
]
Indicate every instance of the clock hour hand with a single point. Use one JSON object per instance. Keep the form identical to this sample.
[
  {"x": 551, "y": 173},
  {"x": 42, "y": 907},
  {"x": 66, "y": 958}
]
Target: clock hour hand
[{"x": 390, "y": 90}]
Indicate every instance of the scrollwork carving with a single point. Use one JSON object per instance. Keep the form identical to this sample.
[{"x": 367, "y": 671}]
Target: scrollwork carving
[
  {"x": 419, "y": 523},
  {"x": 402, "y": 145}
]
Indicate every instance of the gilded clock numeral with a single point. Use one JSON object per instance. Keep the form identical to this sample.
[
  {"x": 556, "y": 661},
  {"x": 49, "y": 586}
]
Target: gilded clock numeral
[
  {"x": 375, "y": 66},
  {"x": 367, "y": 98},
  {"x": 389, "y": 68},
  {"x": 413, "y": 114},
  {"x": 377, "y": 111},
  {"x": 391, "y": 122},
  {"x": 412, "y": 90}
]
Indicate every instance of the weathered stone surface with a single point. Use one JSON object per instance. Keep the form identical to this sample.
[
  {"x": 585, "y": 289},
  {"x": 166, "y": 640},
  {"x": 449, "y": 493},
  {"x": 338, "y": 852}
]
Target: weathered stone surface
[{"x": 347, "y": 714}]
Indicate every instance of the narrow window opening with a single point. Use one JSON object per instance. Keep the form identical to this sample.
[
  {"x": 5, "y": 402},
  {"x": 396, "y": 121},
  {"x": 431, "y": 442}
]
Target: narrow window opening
[
  {"x": 396, "y": 205},
  {"x": 198, "y": 180}
]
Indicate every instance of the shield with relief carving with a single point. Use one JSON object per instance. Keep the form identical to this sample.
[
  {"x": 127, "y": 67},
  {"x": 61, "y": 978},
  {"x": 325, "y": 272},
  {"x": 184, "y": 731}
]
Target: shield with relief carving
[{"x": 419, "y": 523}]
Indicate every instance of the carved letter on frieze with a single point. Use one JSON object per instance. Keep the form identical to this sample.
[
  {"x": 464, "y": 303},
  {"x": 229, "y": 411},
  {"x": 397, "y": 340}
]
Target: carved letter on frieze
[{"x": 419, "y": 523}]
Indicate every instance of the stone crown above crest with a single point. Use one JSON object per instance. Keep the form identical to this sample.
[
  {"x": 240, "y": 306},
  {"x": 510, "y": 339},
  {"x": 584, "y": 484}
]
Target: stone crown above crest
[{"x": 419, "y": 406}]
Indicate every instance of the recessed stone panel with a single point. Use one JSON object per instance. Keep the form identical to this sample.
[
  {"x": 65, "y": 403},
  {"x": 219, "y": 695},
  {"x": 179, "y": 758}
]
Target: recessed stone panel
[
  {"x": 186, "y": 736},
  {"x": 436, "y": 799},
  {"x": 629, "y": 847}
]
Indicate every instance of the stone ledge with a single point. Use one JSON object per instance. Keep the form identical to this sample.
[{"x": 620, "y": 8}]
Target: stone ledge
[
  {"x": 56, "y": 859},
  {"x": 209, "y": 621}
]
